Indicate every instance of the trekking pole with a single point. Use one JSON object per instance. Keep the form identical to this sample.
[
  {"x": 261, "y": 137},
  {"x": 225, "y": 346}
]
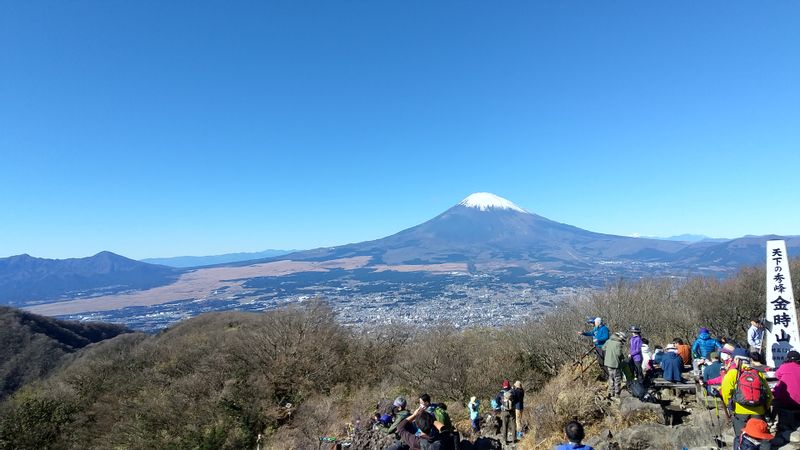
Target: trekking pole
[
  {"x": 708, "y": 410},
  {"x": 719, "y": 423}
]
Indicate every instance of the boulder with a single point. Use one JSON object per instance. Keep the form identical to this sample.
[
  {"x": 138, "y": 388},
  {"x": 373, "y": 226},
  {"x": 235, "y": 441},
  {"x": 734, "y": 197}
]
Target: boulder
[{"x": 633, "y": 410}]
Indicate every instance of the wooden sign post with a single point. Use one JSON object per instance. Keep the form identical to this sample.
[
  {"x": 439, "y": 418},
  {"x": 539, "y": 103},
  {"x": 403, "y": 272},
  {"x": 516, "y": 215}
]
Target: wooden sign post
[{"x": 781, "y": 316}]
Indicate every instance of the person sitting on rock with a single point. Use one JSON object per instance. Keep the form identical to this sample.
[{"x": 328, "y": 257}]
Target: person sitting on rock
[
  {"x": 787, "y": 393},
  {"x": 400, "y": 413},
  {"x": 712, "y": 371},
  {"x": 755, "y": 435},
  {"x": 671, "y": 365},
  {"x": 684, "y": 351},
  {"x": 429, "y": 436},
  {"x": 574, "y": 433}
]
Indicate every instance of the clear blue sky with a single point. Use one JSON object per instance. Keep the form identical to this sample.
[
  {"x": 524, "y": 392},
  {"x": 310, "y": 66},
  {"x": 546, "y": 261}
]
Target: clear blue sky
[{"x": 154, "y": 128}]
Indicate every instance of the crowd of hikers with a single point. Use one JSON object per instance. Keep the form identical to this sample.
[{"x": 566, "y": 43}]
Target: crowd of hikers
[
  {"x": 429, "y": 425},
  {"x": 728, "y": 373},
  {"x": 723, "y": 370}
]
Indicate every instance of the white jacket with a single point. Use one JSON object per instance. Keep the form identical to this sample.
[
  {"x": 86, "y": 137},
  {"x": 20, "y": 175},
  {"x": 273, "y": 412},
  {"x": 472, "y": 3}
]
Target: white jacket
[{"x": 647, "y": 355}]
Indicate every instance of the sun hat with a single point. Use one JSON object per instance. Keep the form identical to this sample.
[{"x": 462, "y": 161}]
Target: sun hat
[
  {"x": 400, "y": 402},
  {"x": 621, "y": 334},
  {"x": 635, "y": 329},
  {"x": 473, "y": 399},
  {"x": 518, "y": 384},
  {"x": 728, "y": 349},
  {"x": 670, "y": 347},
  {"x": 758, "y": 429}
]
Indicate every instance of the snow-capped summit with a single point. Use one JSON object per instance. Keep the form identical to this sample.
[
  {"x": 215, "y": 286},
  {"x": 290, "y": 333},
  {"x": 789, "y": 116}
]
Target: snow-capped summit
[{"x": 485, "y": 201}]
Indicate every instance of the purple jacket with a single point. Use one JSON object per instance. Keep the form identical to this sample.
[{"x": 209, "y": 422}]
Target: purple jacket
[
  {"x": 636, "y": 348},
  {"x": 787, "y": 391}
]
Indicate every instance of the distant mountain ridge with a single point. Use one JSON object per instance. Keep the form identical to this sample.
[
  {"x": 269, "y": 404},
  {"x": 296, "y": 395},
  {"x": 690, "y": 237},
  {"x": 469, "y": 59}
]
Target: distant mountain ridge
[
  {"x": 482, "y": 234},
  {"x": 24, "y": 278},
  {"x": 199, "y": 261}
]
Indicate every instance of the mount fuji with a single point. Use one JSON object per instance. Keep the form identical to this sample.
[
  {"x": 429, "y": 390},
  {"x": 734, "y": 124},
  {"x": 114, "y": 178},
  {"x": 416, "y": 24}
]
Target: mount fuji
[{"x": 488, "y": 232}]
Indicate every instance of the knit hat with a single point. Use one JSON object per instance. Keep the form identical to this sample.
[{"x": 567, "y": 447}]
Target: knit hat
[
  {"x": 506, "y": 384},
  {"x": 400, "y": 402},
  {"x": 757, "y": 428},
  {"x": 598, "y": 320},
  {"x": 703, "y": 330},
  {"x": 793, "y": 356}
]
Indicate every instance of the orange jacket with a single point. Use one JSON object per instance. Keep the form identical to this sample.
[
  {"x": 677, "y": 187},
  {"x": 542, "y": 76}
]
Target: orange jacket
[{"x": 686, "y": 353}]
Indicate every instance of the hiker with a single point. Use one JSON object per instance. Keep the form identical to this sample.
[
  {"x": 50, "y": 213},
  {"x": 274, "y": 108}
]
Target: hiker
[
  {"x": 613, "y": 358},
  {"x": 684, "y": 351},
  {"x": 671, "y": 365},
  {"x": 701, "y": 348},
  {"x": 438, "y": 410},
  {"x": 755, "y": 435},
  {"x": 428, "y": 433},
  {"x": 658, "y": 356},
  {"x": 635, "y": 350},
  {"x": 599, "y": 336},
  {"x": 574, "y": 433},
  {"x": 746, "y": 392},
  {"x": 474, "y": 407},
  {"x": 711, "y": 371},
  {"x": 519, "y": 405},
  {"x": 787, "y": 393},
  {"x": 647, "y": 356},
  {"x": 727, "y": 363},
  {"x": 507, "y": 413},
  {"x": 755, "y": 335},
  {"x": 400, "y": 413}
]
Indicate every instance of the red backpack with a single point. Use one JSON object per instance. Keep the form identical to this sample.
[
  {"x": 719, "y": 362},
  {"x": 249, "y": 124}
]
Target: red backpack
[{"x": 749, "y": 389}]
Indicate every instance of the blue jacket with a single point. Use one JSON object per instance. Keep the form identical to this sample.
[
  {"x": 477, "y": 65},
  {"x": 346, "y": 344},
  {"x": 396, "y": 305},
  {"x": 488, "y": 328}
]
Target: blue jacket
[
  {"x": 571, "y": 446},
  {"x": 672, "y": 365},
  {"x": 599, "y": 334},
  {"x": 703, "y": 345}
]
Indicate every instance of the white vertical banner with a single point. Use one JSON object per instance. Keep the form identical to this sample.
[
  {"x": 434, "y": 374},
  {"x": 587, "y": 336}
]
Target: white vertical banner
[{"x": 782, "y": 334}]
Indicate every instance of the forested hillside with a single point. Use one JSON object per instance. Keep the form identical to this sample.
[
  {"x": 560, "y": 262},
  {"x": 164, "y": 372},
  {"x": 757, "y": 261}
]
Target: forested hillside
[
  {"x": 33, "y": 345},
  {"x": 295, "y": 374}
]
